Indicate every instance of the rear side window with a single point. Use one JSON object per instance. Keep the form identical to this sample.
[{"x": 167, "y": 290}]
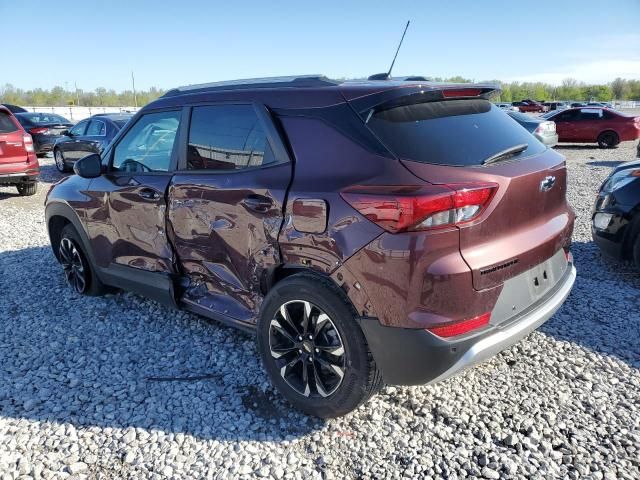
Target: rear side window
[
  {"x": 6, "y": 125},
  {"x": 450, "y": 132},
  {"x": 227, "y": 137}
]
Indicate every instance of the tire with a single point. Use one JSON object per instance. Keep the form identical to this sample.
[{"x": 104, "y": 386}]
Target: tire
[
  {"x": 608, "y": 139},
  {"x": 636, "y": 253},
  {"x": 340, "y": 370},
  {"x": 59, "y": 160},
  {"x": 27, "y": 189},
  {"x": 75, "y": 264}
]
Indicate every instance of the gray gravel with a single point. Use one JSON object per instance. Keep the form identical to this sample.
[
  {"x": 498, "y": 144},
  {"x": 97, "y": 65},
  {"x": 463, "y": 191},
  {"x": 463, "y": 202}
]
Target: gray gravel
[{"x": 119, "y": 386}]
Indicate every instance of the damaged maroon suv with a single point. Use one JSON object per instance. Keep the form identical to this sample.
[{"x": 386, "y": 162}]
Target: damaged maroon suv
[{"x": 367, "y": 232}]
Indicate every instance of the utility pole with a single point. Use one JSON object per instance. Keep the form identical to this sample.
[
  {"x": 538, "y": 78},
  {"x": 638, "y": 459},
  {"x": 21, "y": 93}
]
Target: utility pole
[
  {"x": 75, "y": 84},
  {"x": 133, "y": 83}
]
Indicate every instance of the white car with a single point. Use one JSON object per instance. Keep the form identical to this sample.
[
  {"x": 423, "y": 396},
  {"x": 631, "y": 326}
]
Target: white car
[{"x": 506, "y": 106}]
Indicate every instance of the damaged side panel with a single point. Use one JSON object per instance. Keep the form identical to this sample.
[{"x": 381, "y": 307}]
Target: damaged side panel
[{"x": 224, "y": 229}]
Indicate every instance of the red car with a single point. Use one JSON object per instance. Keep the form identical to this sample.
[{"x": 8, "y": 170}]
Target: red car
[
  {"x": 595, "y": 125},
  {"x": 530, "y": 106},
  {"x": 18, "y": 162}
]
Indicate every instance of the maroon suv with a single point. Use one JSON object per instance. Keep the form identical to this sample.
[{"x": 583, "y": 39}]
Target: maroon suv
[{"x": 368, "y": 232}]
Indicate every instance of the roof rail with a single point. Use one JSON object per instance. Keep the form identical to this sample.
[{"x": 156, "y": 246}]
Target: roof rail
[{"x": 300, "y": 81}]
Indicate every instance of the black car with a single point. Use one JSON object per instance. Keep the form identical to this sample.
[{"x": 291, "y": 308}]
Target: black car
[
  {"x": 90, "y": 135},
  {"x": 45, "y": 129},
  {"x": 14, "y": 108},
  {"x": 615, "y": 223}
]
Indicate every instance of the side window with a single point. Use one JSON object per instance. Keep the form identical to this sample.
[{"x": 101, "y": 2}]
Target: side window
[
  {"x": 80, "y": 128},
  {"x": 97, "y": 128},
  {"x": 148, "y": 145},
  {"x": 227, "y": 137},
  {"x": 590, "y": 114}
]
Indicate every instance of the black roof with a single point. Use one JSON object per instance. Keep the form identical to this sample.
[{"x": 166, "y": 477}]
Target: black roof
[{"x": 302, "y": 81}]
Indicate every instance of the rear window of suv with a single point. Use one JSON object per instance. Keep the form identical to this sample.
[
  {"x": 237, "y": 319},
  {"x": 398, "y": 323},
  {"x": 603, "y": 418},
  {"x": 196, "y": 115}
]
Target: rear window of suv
[
  {"x": 450, "y": 132},
  {"x": 6, "y": 125}
]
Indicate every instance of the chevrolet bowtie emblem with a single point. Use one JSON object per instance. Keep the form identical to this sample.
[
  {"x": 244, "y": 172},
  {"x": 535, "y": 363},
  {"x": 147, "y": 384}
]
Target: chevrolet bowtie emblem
[{"x": 547, "y": 184}]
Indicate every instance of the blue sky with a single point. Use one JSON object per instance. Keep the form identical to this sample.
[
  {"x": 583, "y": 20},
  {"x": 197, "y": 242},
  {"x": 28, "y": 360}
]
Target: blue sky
[{"x": 174, "y": 43}]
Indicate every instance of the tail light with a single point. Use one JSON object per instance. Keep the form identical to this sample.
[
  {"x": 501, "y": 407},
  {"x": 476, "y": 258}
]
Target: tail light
[
  {"x": 28, "y": 143},
  {"x": 463, "y": 326},
  {"x": 461, "y": 92},
  {"x": 39, "y": 131},
  {"x": 411, "y": 208}
]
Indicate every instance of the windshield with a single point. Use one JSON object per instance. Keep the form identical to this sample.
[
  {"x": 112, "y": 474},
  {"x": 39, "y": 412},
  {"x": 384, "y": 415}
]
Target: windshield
[{"x": 450, "y": 132}]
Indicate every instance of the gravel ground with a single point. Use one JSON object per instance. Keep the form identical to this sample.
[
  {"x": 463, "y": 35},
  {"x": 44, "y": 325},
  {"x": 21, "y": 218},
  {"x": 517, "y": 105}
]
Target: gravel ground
[{"x": 120, "y": 387}]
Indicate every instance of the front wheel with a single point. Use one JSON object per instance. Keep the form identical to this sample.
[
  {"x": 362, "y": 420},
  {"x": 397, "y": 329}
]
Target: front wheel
[
  {"x": 78, "y": 271},
  {"x": 608, "y": 139},
  {"x": 313, "y": 348},
  {"x": 59, "y": 159}
]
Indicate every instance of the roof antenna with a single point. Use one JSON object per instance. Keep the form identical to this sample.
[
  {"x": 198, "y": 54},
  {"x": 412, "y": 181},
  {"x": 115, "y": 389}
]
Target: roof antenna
[{"x": 387, "y": 76}]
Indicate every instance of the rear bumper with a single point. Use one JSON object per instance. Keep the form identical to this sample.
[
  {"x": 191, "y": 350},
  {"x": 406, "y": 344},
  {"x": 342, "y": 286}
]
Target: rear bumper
[
  {"x": 16, "y": 178},
  {"x": 414, "y": 356}
]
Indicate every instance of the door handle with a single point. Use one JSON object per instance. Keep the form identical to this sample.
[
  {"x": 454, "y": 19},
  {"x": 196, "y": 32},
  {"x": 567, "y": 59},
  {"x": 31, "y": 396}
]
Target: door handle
[
  {"x": 258, "y": 203},
  {"x": 149, "y": 194}
]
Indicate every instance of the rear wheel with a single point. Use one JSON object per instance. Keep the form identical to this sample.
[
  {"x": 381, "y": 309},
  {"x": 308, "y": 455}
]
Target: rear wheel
[
  {"x": 59, "y": 159},
  {"x": 79, "y": 273},
  {"x": 27, "y": 189},
  {"x": 608, "y": 139},
  {"x": 313, "y": 349}
]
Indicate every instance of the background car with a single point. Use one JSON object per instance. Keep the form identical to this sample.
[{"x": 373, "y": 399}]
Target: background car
[
  {"x": 14, "y": 108},
  {"x": 578, "y": 104},
  {"x": 543, "y": 130},
  {"x": 598, "y": 125},
  {"x": 91, "y": 135},
  {"x": 45, "y": 128},
  {"x": 19, "y": 165},
  {"x": 556, "y": 105},
  {"x": 615, "y": 221},
  {"x": 506, "y": 106},
  {"x": 530, "y": 106}
]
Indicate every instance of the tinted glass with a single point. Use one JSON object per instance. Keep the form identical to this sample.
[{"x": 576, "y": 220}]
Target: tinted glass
[
  {"x": 97, "y": 128},
  {"x": 6, "y": 125},
  {"x": 450, "y": 132},
  {"x": 44, "y": 118},
  {"x": 227, "y": 137},
  {"x": 148, "y": 145},
  {"x": 79, "y": 128},
  {"x": 590, "y": 114},
  {"x": 120, "y": 123}
]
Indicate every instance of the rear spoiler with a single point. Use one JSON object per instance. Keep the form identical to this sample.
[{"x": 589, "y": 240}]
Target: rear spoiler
[{"x": 421, "y": 93}]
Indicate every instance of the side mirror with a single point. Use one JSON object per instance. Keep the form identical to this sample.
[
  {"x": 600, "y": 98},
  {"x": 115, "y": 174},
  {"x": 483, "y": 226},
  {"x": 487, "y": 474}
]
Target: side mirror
[
  {"x": 66, "y": 133},
  {"x": 89, "y": 166}
]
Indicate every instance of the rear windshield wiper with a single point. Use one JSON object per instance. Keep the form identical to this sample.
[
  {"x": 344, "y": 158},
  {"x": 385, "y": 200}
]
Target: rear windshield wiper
[{"x": 506, "y": 154}]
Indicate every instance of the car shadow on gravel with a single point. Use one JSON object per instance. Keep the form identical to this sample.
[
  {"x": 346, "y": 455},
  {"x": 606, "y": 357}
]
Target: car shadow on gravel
[
  {"x": 122, "y": 361},
  {"x": 601, "y": 313}
]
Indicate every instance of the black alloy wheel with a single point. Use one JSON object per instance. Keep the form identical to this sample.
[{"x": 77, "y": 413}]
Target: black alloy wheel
[
  {"x": 307, "y": 348},
  {"x": 73, "y": 265}
]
